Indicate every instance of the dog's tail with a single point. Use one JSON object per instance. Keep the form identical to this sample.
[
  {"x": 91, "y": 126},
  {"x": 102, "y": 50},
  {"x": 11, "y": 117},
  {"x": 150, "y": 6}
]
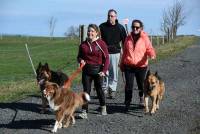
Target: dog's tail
[
  {"x": 85, "y": 96},
  {"x": 68, "y": 83}
]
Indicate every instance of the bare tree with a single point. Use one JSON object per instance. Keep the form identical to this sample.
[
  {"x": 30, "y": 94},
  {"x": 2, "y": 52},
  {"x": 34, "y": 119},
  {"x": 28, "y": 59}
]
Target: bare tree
[
  {"x": 173, "y": 18},
  {"x": 52, "y": 24},
  {"x": 72, "y": 32}
]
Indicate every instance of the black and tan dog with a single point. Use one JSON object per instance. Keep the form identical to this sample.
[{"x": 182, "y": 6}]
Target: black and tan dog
[
  {"x": 44, "y": 74},
  {"x": 154, "y": 88}
]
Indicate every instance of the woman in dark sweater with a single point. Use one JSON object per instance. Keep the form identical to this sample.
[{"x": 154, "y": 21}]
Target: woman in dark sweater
[{"x": 94, "y": 54}]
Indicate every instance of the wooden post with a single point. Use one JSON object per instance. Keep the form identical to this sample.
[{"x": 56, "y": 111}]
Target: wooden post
[
  {"x": 157, "y": 37},
  {"x": 163, "y": 40},
  {"x": 126, "y": 29},
  {"x": 82, "y": 32},
  {"x": 125, "y": 21},
  {"x": 151, "y": 38},
  {"x": 168, "y": 34}
]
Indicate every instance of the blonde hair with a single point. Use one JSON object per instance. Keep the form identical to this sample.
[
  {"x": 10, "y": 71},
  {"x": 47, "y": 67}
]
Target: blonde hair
[{"x": 96, "y": 28}]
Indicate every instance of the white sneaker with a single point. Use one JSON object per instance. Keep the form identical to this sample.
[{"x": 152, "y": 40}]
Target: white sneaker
[
  {"x": 83, "y": 115},
  {"x": 103, "y": 110},
  {"x": 105, "y": 91}
]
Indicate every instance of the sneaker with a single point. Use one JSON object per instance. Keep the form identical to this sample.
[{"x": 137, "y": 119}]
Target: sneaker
[
  {"x": 111, "y": 94},
  {"x": 83, "y": 115},
  {"x": 105, "y": 91},
  {"x": 103, "y": 110},
  {"x": 141, "y": 103}
]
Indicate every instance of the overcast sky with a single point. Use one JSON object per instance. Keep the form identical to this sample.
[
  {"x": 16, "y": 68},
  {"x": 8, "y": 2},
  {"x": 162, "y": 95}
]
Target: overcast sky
[{"x": 31, "y": 17}]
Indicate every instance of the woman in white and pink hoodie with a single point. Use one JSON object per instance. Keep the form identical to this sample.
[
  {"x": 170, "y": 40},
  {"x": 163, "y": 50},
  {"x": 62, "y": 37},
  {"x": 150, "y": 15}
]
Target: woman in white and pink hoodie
[{"x": 134, "y": 62}]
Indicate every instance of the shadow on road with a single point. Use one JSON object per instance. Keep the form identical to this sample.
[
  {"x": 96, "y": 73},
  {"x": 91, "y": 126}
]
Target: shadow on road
[
  {"x": 21, "y": 106},
  {"x": 112, "y": 108},
  {"x": 29, "y": 124},
  {"x": 25, "y": 124}
]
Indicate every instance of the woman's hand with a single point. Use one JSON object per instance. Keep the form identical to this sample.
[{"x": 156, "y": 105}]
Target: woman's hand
[
  {"x": 82, "y": 63},
  {"x": 101, "y": 74},
  {"x": 153, "y": 58}
]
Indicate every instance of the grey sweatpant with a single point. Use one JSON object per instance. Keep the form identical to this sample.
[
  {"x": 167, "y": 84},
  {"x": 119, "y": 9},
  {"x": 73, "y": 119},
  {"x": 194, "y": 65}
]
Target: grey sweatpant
[{"x": 110, "y": 81}]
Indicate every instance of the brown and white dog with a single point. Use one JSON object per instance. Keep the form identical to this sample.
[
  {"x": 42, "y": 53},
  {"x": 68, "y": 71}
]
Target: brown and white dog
[
  {"x": 154, "y": 88},
  {"x": 44, "y": 74},
  {"x": 64, "y": 102}
]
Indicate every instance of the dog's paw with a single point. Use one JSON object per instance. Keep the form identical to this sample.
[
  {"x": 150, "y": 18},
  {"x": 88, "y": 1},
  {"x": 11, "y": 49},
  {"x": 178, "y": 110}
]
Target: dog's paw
[
  {"x": 66, "y": 125},
  {"x": 60, "y": 125},
  {"x": 53, "y": 131},
  {"x": 152, "y": 112},
  {"x": 146, "y": 110},
  {"x": 73, "y": 123},
  {"x": 157, "y": 107}
]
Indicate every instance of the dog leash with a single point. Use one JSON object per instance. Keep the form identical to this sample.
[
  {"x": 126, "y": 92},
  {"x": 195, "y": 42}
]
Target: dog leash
[
  {"x": 154, "y": 61},
  {"x": 68, "y": 83},
  {"x": 123, "y": 78}
]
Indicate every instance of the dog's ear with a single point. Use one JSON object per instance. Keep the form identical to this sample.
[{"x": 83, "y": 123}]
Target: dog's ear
[
  {"x": 148, "y": 72},
  {"x": 38, "y": 68},
  {"x": 39, "y": 65},
  {"x": 158, "y": 77},
  {"x": 156, "y": 74},
  {"x": 46, "y": 66}
]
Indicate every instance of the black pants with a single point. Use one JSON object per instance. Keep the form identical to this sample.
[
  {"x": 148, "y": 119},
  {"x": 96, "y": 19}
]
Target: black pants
[
  {"x": 139, "y": 73},
  {"x": 87, "y": 82}
]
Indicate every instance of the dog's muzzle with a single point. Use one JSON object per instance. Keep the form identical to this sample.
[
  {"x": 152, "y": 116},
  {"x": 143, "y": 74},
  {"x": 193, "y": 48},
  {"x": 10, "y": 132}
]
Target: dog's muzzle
[
  {"x": 41, "y": 82},
  {"x": 150, "y": 88}
]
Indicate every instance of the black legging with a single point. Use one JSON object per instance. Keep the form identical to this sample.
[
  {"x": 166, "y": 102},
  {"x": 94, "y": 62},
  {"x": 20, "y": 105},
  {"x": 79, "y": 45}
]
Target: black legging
[
  {"x": 87, "y": 81},
  {"x": 139, "y": 73}
]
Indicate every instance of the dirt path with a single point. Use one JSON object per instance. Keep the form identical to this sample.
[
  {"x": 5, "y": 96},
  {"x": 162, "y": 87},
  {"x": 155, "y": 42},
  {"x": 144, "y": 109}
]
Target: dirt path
[{"x": 179, "y": 112}]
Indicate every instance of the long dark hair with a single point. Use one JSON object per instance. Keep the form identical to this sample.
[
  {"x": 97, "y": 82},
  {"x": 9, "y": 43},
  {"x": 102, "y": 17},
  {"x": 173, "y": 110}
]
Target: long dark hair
[{"x": 137, "y": 21}]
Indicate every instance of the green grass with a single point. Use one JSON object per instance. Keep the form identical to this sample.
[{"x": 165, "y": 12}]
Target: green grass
[
  {"x": 175, "y": 47},
  {"x": 17, "y": 79},
  {"x": 14, "y": 61},
  {"x": 16, "y": 75}
]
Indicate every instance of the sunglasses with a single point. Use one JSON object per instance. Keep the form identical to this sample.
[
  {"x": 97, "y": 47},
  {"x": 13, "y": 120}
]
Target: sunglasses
[
  {"x": 135, "y": 27},
  {"x": 111, "y": 16}
]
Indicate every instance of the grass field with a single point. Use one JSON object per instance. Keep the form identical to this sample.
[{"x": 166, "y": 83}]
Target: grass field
[{"x": 17, "y": 79}]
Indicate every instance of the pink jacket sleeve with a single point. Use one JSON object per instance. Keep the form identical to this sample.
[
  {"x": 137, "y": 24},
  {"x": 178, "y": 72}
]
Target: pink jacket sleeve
[{"x": 150, "y": 51}]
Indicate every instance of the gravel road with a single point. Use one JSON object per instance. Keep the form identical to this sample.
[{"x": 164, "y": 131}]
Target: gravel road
[{"x": 179, "y": 112}]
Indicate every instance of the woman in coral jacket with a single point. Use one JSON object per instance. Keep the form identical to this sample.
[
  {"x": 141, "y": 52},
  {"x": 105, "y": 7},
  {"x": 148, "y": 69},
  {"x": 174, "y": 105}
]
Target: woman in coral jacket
[{"x": 134, "y": 62}]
